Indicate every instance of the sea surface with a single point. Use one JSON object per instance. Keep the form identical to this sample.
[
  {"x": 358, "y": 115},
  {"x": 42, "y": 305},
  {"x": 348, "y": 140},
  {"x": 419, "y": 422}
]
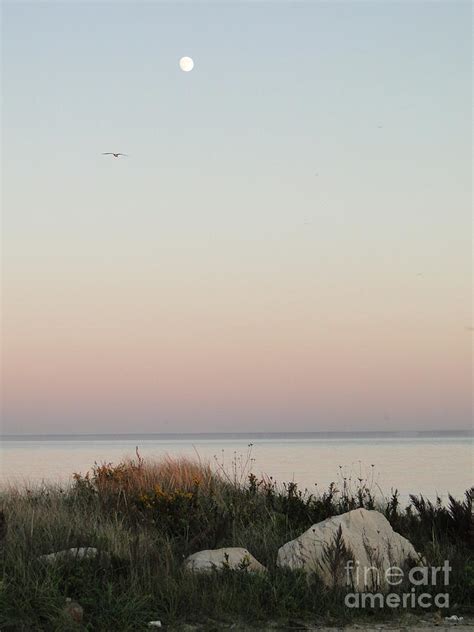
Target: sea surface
[{"x": 430, "y": 463}]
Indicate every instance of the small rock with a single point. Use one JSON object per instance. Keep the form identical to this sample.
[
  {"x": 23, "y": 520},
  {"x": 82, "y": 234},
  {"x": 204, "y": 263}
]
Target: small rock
[
  {"x": 154, "y": 624},
  {"x": 74, "y": 610},
  {"x": 232, "y": 558},
  {"x": 81, "y": 553}
]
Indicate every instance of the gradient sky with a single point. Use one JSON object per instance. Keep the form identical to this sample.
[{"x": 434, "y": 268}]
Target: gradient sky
[{"x": 212, "y": 281}]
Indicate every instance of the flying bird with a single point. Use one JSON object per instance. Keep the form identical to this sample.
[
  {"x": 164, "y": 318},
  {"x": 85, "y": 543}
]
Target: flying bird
[{"x": 111, "y": 153}]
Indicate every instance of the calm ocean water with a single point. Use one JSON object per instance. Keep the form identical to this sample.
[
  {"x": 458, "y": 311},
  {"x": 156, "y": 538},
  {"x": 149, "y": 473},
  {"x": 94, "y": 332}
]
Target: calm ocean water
[{"x": 427, "y": 463}]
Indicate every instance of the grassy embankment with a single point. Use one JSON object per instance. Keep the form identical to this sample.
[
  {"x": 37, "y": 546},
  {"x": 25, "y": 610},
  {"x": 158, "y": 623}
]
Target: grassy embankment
[{"x": 148, "y": 517}]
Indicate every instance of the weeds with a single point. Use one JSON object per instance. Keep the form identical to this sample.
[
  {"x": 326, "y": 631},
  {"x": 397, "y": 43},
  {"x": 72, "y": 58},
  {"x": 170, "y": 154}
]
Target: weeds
[{"x": 148, "y": 517}]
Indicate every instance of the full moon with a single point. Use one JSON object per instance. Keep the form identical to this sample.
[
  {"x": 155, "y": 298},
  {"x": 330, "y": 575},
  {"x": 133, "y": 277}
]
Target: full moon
[{"x": 186, "y": 64}]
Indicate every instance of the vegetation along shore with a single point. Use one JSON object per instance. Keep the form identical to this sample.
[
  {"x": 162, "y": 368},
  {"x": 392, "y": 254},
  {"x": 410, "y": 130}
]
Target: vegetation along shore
[{"x": 190, "y": 546}]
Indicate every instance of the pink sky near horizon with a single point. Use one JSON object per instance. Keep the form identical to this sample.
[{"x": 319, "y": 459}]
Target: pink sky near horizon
[{"x": 205, "y": 352}]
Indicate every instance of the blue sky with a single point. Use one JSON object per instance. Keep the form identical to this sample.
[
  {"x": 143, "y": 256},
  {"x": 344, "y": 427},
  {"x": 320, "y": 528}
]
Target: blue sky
[{"x": 304, "y": 191}]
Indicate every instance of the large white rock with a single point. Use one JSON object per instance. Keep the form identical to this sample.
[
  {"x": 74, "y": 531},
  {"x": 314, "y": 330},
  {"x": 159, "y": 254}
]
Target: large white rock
[
  {"x": 369, "y": 540},
  {"x": 81, "y": 553},
  {"x": 234, "y": 558}
]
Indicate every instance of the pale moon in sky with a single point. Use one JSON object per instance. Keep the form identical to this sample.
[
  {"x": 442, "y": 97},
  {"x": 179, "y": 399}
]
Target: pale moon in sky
[{"x": 186, "y": 64}]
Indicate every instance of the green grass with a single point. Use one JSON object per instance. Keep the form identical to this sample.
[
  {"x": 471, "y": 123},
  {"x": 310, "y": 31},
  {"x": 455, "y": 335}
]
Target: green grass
[{"x": 148, "y": 517}]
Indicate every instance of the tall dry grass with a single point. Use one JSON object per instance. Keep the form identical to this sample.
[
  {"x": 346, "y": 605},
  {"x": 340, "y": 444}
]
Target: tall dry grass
[{"x": 137, "y": 476}]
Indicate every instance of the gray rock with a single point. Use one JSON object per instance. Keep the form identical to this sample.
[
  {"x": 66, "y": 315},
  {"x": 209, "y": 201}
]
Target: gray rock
[
  {"x": 74, "y": 610},
  {"x": 233, "y": 558},
  {"x": 80, "y": 553},
  {"x": 363, "y": 536}
]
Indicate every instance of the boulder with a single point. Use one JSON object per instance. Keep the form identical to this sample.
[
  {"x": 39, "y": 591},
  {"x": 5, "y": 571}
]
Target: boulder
[
  {"x": 362, "y": 537},
  {"x": 81, "y": 553},
  {"x": 233, "y": 558}
]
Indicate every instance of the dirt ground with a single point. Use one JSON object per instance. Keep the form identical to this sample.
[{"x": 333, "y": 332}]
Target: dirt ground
[{"x": 408, "y": 623}]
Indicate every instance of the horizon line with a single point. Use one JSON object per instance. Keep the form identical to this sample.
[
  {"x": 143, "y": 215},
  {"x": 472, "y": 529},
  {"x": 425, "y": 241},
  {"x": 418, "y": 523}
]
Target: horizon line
[{"x": 241, "y": 433}]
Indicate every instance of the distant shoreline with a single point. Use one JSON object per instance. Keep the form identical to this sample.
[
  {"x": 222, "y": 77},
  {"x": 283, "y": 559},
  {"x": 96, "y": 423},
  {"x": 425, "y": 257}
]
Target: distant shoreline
[{"x": 185, "y": 436}]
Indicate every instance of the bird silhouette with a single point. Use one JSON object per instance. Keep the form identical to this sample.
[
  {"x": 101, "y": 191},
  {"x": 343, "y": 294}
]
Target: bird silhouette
[{"x": 111, "y": 153}]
